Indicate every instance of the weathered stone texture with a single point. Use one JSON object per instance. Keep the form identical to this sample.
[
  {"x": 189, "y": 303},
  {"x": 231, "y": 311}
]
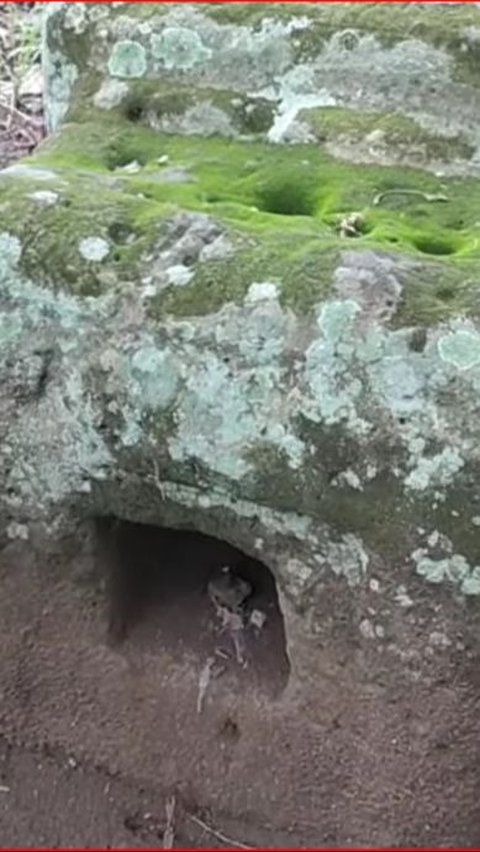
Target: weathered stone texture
[{"x": 239, "y": 292}]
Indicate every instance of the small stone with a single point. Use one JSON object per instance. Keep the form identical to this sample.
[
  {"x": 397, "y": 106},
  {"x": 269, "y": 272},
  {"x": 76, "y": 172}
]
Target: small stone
[
  {"x": 179, "y": 275},
  {"x": 367, "y": 629},
  {"x": 110, "y": 94},
  {"x": 257, "y": 618},
  {"x": 131, "y": 168},
  {"x": 350, "y": 477},
  {"x": 264, "y": 291},
  {"x": 17, "y": 531},
  {"x": 402, "y": 598},
  {"x": 376, "y": 137},
  {"x": 374, "y": 585},
  {"x": 438, "y": 639}
]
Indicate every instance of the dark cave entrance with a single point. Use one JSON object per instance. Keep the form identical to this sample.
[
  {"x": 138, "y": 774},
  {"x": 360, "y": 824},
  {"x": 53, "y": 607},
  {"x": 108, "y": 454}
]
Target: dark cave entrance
[{"x": 163, "y": 597}]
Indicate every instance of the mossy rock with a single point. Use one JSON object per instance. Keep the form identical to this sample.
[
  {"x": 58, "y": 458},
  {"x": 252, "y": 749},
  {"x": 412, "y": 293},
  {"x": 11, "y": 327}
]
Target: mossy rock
[{"x": 254, "y": 303}]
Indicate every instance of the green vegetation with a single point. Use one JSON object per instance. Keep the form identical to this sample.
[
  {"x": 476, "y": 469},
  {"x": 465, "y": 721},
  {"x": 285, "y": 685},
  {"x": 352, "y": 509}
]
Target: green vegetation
[
  {"x": 281, "y": 206},
  {"x": 401, "y": 135}
]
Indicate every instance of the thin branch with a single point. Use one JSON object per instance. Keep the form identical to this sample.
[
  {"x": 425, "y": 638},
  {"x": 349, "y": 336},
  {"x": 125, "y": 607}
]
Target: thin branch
[
  {"x": 26, "y": 123},
  {"x": 169, "y": 833},
  {"x": 156, "y": 479},
  {"x": 218, "y": 834},
  {"x": 427, "y": 196}
]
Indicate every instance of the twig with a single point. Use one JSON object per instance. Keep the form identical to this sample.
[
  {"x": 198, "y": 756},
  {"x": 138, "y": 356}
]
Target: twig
[
  {"x": 11, "y": 109},
  {"x": 26, "y": 126},
  {"x": 427, "y": 196},
  {"x": 156, "y": 479},
  {"x": 218, "y": 834},
  {"x": 203, "y": 682},
  {"x": 169, "y": 833}
]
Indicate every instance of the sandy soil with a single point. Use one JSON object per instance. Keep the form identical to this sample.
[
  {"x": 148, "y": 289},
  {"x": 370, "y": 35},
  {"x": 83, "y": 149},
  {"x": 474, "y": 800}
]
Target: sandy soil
[{"x": 95, "y": 737}]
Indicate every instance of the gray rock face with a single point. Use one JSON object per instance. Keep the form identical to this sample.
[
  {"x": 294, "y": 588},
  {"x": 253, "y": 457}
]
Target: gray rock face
[{"x": 188, "y": 337}]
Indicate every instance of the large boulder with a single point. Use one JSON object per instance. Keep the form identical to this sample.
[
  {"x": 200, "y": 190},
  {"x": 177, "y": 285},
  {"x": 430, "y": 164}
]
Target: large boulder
[{"x": 239, "y": 294}]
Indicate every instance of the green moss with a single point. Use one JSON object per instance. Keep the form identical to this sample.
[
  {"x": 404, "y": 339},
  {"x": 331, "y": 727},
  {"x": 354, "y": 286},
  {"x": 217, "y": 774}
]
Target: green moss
[
  {"x": 74, "y": 45},
  {"x": 402, "y": 135},
  {"x": 379, "y": 513},
  {"x": 147, "y": 97},
  {"x": 403, "y": 21},
  {"x": 282, "y": 206},
  {"x": 304, "y": 276},
  {"x": 150, "y": 101},
  {"x": 272, "y": 471},
  {"x": 51, "y": 235},
  {"x": 436, "y": 293},
  {"x": 453, "y": 516}
]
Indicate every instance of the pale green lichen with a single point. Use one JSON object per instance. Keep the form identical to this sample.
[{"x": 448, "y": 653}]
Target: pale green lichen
[
  {"x": 157, "y": 375},
  {"x": 61, "y": 77},
  {"x": 471, "y": 584},
  {"x": 460, "y": 348},
  {"x": 453, "y": 569},
  {"x": 348, "y": 558},
  {"x": 334, "y": 391},
  {"x": 437, "y": 470},
  {"x": 282, "y": 523},
  {"x": 217, "y": 417},
  {"x": 10, "y": 253},
  {"x": 179, "y": 47},
  {"x": 128, "y": 59}
]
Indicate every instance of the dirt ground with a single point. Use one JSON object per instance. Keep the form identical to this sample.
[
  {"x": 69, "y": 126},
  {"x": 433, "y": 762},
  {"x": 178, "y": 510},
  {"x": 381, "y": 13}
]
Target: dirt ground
[{"x": 95, "y": 738}]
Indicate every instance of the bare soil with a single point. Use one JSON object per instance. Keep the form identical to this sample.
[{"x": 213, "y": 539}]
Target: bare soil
[{"x": 95, "y": 737}]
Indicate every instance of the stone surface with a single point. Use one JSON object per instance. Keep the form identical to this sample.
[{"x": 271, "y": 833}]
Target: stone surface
[{"x": 188, "y": 338}]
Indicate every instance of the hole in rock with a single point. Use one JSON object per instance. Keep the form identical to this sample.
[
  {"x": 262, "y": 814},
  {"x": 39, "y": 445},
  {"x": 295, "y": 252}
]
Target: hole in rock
[
  {"x": 434, "y": 245},
  {"x": 292, "y": 195},
  {"x": 133, "y": 109},
  {"x": 418, "y": 340},
  {"x": 446, "y": 294},
  {"x": 168, "y": 593},
  {"x": 119, "y": 232}
]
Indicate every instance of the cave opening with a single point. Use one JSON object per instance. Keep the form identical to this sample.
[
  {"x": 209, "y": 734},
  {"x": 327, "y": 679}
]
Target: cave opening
[{"x": 194, "y": 598}]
